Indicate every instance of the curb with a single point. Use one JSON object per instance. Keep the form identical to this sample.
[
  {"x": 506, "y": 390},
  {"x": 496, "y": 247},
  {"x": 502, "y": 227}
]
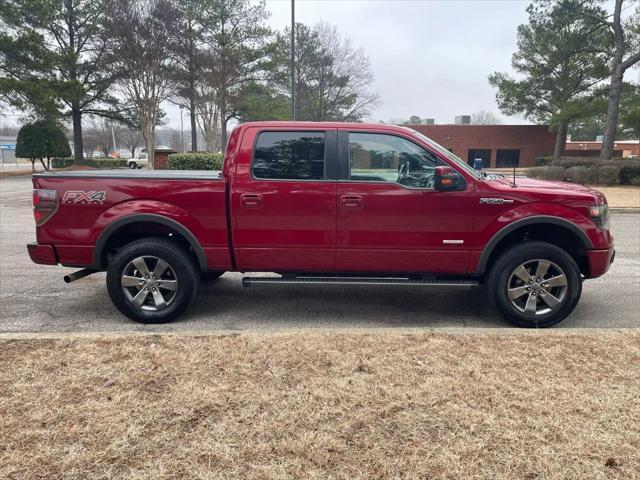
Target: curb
[{"x": 457, "y": 331}]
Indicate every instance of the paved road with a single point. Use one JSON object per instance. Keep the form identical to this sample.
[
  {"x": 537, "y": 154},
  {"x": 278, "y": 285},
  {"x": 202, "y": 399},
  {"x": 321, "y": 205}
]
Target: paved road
[{"x": 34, "y": 298}]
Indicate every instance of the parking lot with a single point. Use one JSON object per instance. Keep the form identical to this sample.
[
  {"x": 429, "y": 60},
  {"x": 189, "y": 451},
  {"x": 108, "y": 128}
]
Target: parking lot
[{"x": 34, "y": 298}]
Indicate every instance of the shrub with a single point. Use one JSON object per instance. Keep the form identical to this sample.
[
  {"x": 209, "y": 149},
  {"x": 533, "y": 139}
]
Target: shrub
[
  {"x": 536, "y": 172},
  {"x": 553, "y": 173},
  {"x": 42, "y": 140},
  {"x": 90, "y": 162},
  {"x": 635, "y": 181},
  {"x": 608, "y": 175},
  {"x": 582, "y": 175},
  {"x": 542, "y": 161},
  {"x": 196, "y": 161},
  {"x": 629, "y": 169},
  {"x": 61, "y": 162}
]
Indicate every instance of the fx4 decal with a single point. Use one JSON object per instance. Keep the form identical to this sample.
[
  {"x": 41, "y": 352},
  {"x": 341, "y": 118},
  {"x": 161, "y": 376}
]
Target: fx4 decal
[{"x": 84, "y": 198}]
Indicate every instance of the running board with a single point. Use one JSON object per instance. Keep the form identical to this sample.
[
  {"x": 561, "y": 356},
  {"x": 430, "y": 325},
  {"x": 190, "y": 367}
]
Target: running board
[{"x": 248, "y": 281}]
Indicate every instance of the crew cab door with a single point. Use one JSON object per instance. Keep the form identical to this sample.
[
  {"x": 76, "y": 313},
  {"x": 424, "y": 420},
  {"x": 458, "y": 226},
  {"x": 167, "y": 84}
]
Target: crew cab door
[
  {"x": 390, "y": 217},
  {"x": 283, "y": 200}
]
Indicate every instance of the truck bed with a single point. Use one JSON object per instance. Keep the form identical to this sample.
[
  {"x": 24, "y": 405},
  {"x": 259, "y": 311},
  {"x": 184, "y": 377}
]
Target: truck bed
[{"x": 96, "y": 204}]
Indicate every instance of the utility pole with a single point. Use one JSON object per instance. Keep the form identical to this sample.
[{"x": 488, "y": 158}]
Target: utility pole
[{"x": 293, "y": 59}]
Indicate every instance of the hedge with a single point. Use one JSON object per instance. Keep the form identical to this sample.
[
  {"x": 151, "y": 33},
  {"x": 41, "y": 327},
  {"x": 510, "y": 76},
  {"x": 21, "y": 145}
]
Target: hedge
[
  {"x": 90, "y": 162},
  {"x": 196, "y": 161},
  {"x": 542, "y": 161},
  {"x": 590, "y": 171}
]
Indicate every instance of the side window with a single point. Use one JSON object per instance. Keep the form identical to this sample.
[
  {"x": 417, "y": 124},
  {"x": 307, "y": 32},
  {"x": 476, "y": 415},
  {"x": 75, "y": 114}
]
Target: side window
[
  {"x": 289, "y": 156},
  {"x": 377, "y": 157}
]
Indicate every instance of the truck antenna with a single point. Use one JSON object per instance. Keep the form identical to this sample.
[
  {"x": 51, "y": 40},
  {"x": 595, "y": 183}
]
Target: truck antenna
[{"x": 513, "y": 164}]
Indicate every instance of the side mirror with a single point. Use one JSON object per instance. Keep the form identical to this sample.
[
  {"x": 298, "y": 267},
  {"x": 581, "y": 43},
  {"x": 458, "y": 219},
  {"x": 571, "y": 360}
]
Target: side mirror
[{"x": 446, "y": 178}]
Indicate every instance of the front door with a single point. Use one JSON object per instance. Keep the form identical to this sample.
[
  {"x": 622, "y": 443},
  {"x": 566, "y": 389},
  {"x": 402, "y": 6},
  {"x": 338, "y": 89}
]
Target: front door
[
  {"x": 283, "y": 199},
  {"x": 390, "y": 217}
]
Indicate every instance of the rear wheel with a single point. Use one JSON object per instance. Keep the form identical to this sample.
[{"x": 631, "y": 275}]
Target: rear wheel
[
  {"x": 535, "y": 284},
  {"x": 133, "y": 165},
  {"x": 152, "y": 280}
]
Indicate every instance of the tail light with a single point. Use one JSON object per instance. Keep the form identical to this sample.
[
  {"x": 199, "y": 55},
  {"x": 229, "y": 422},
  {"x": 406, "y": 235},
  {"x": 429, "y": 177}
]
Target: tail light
[{"x": 45, "y": 204}]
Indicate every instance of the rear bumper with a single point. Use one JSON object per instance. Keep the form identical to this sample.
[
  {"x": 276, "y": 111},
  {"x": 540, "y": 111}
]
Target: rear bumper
[
  {"x": 42, "y": 254},
  {"x": 600, "y": 261}
]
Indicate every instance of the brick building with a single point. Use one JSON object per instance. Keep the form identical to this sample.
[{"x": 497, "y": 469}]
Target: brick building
[
  {"x": 622, "y": 148},
  {"x": 497, "y": 145}
]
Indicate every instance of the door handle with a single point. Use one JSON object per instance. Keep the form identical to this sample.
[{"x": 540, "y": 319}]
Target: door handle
[
  {"x": 252, "y": 200},
  {"x": 352, "y": 201}
]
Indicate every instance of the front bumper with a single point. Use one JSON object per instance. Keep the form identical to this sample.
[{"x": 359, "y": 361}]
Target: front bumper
[
  {"x": 600, "y": 261},
  {"x": 42, "y": 254}
]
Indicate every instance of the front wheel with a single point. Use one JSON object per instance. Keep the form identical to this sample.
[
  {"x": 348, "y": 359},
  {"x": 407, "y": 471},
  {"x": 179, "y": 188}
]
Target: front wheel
[
  {"x": 152, "y": 280},
  {"x": 132, "y": 165},
  {"x": 535, "y": 284}
]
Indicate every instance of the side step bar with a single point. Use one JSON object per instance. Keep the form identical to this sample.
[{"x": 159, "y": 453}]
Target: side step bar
[{"x": 248, "y": 281}]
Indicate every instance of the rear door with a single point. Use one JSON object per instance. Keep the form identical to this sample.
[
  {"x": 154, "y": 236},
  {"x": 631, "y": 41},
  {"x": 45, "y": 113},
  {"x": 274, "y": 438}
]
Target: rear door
[
  {"x": 283, "y": 200},
  {"x": 390, "y": 217}
]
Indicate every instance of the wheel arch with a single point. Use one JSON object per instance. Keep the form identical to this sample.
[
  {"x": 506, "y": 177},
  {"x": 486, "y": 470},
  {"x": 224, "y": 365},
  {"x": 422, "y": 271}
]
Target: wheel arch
[
  {"x": 554, "y": 230},
  {"x": 123, "y": 224}
]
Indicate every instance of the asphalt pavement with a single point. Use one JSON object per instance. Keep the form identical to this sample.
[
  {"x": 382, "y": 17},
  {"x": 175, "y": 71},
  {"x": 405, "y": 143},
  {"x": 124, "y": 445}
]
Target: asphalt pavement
[{"x": 34, "y": 298}]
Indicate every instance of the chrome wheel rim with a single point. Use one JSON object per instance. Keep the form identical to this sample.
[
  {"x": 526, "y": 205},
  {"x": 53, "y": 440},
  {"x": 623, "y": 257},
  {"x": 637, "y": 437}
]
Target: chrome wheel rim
[
  {"x": 537, "y": 287},
  {"x": 149, "y": 283}
]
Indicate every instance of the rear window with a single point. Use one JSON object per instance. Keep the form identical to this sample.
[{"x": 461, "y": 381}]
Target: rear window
[{"x": 289, "y": 156}]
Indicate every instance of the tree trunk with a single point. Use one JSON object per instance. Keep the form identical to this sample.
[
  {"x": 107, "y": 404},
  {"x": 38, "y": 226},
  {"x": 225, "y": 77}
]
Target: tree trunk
[
  {"x": 194, "y": 131},
  {"x": 148, "y": 134},
  {"x": 78, "y": 149},
  {"x": 33, "y": 164},
  {"x": 561, "y": 138},
  {"x": 223, "y": 133},
  {"x": 613, "y": 112}
]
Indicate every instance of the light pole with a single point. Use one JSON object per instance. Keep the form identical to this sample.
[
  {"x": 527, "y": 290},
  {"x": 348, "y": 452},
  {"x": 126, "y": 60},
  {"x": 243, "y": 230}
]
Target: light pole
[{"x": 293, "y": 59}]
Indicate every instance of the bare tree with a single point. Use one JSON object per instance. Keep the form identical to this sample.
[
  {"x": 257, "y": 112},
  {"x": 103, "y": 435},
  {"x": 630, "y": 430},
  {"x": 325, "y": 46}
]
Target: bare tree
[
  {"x": 141, "y": 53},
  {"x": 332, "y": 76},
  {"x": 485, "y": 117},
  {"x": 209, "y": 120},
  {"x": 97, "y": 135},
  {"x": 129, "y": 136}
]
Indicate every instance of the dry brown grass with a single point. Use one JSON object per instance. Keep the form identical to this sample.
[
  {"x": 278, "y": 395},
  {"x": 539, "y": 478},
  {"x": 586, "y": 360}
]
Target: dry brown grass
[
  {"x": 322, "y": 405},
  {"x": 621, "y": 196}
]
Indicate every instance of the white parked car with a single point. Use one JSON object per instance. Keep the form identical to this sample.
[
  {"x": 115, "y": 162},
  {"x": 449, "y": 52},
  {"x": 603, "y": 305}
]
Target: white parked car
[{"x": 142, "y": 160}]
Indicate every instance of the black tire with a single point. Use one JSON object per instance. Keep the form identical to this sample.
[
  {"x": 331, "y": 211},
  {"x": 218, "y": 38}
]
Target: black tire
[
  {"x": 503, "y": 275},
  {"x": 181, "y": 267},
  {"x": 210, "y": 276},
  {"x": 133, "y": 165}
]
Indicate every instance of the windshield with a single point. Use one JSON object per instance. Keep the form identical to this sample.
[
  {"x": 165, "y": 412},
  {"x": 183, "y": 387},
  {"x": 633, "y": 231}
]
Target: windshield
[{"x": 449, "y": 155}]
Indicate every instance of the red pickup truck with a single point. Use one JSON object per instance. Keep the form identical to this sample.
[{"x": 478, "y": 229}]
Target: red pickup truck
[{"x": 322, "y": 203}]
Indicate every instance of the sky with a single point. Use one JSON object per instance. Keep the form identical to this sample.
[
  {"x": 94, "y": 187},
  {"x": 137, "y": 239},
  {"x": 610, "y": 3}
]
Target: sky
[{"x": 429, "y": 58}]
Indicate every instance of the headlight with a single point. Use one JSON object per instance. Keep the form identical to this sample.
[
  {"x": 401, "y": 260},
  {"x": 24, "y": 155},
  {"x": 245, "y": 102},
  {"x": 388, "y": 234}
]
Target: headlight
[{"x": 600, "y": 215}]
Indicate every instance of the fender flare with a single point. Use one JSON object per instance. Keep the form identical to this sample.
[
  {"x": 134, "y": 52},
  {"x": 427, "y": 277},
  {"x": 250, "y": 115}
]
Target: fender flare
[
  {"x": 538, "y": 219},
  {"x": 110, "y": 229}
]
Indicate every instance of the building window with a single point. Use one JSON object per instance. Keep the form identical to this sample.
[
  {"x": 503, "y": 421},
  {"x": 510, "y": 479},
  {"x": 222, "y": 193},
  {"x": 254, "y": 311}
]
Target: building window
[
  {"x": 484, "y": 154},
  {"x": 507, "y": 158}
]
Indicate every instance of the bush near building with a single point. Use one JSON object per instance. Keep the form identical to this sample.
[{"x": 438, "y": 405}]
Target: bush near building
[
  {"x": 196, "y": 161},
  {"x": 590, "y": 171}
]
